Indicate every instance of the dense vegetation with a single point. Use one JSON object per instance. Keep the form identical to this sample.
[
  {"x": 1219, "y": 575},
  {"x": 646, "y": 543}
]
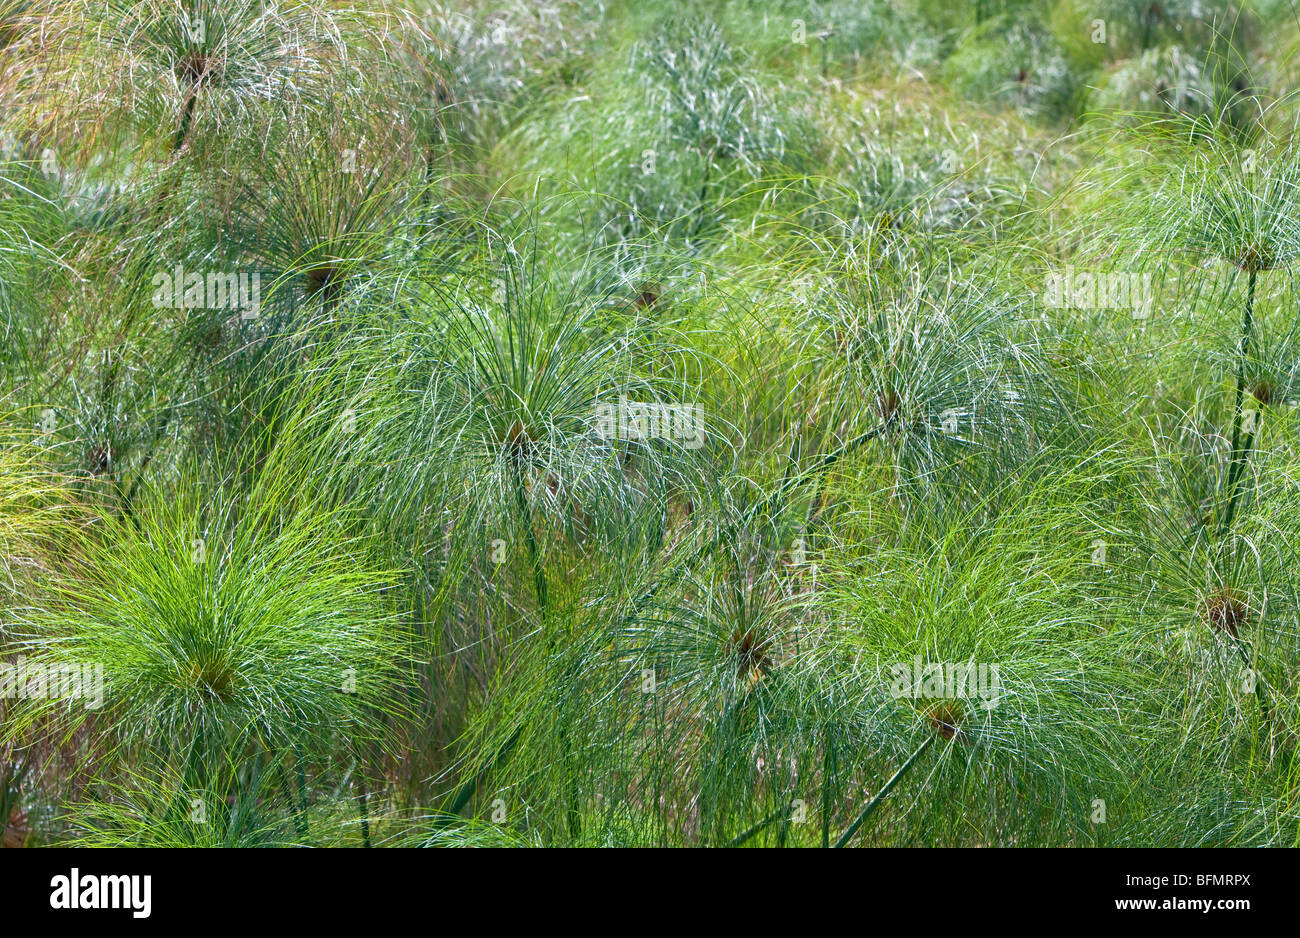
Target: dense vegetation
[{"x": 606, "y": 423}]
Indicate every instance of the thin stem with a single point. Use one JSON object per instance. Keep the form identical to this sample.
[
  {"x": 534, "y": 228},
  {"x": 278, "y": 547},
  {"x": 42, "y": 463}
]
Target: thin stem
[
  {"x": 471, "y": 787},
  {"x": 828, "y": 774},
  {"x": 704, "y": 193},
  {"x": 302, "y": 783},
  {"x": 299, "y": 822},
  {"x": 790, "y": 482},
  {"x": 880, "y": 795},
  {"x": 748, "y": 833},
  {"x": 819, "y": 467},
  {"x": 539, "y": 585},
  {"x": 363, "y": 804},
  {"x": 187, "y": 116},
  {"x": 566, "y": 746},
  {"x": 530, "y": 538},
  {"x": 467, "y": 791},
  {"x": 1238, "y": 454}
]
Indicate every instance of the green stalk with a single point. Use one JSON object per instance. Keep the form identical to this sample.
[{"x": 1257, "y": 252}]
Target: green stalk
[
  {"x": 302, "y": 785},
  {"x": 575, "y": 817},
  {"x": 468, "y": 790},
  {"x": 751, "y": 831},
  {"x": 539, "y": 586},
  {"x": 819, "y": 467},
  {"x": 364, "y": 812},
  {"x": 659, "y": 775},
  {"x": 704, "y": 194},
  {"x": 187, "y": 116},
  {"x": 790, "y": 482},
  {"x": 530, "y": 538},
  {"x": 828, "y": 774},
  {"x": 1238, "y": 453},
  {"x": 880, "y": 795},
  {"x": 363, "y": 803},
  {"x": 299, "y": 822}
]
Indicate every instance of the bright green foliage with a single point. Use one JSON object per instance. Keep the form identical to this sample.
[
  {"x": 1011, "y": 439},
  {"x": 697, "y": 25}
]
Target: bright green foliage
[{"x": 761, "y": 423}]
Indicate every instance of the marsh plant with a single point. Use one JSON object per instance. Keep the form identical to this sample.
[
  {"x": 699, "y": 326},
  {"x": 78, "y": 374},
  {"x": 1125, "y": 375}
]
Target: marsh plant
[{"x": 600, "y": 424}]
